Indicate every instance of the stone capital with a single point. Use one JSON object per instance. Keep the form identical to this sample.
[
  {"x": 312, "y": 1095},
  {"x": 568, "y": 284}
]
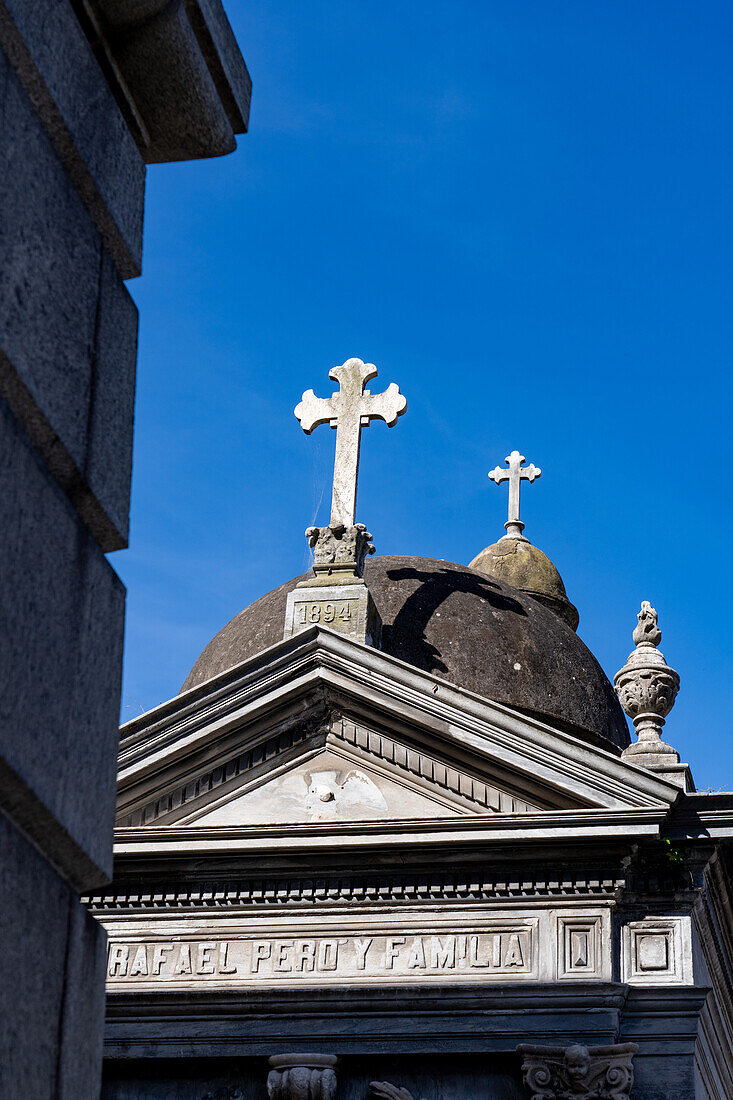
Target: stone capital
[
  {"x": 302, "y": 1077},
  {"x": 585, "y": 1073}
]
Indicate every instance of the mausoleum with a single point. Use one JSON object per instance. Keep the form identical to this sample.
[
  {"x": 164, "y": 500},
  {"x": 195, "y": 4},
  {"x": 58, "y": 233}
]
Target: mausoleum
[{"x": 393, "y": 839}]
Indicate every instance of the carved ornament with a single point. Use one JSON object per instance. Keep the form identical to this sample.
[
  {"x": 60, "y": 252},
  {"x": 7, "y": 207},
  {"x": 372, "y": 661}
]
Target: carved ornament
[
  {"x": 578, "y": 1072},
  {"x": 302, "y": 1077},
  {"x": 647, "y": 688}
]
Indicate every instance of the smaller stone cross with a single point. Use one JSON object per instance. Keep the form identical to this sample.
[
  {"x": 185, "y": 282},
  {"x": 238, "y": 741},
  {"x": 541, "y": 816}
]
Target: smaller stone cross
[
  {"x": 348, "y": 411},
  {"x": 515, "y": 475}
]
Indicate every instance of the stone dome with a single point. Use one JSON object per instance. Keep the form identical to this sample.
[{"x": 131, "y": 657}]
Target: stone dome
[
  {"x": 518, "y": 563},
  {"x": 455, "y": 622}
]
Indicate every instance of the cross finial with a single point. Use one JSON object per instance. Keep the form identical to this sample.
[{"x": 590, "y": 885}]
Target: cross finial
[
  {"x": 348, "y": 411},
  {"x": 516, "y": 474}
]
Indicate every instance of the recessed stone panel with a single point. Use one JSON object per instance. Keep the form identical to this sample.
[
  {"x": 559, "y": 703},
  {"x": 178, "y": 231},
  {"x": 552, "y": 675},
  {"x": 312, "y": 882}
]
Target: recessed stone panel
[{"x": 657, "y": 951}]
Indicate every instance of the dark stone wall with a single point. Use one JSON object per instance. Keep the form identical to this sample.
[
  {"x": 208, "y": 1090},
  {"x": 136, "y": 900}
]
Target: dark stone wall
[{"x": 73, "y": 149}]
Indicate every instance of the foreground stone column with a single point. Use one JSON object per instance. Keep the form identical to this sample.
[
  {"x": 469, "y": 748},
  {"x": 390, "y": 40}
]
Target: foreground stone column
[
  {"x": 556, "y": 1073},
  {"x": 302, "y": 1077}
]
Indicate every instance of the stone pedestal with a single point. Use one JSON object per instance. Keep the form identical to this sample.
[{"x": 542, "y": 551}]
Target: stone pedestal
[
  {"x": 346, "y": 608},
  {"x": 336, "y": 596}
]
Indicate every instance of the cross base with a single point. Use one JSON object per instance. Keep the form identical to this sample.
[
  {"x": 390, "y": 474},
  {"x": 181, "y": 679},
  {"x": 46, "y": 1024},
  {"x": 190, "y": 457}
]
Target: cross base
[
  {"x": 347, "y": 608},
  {"x": 339, "y": 551}
]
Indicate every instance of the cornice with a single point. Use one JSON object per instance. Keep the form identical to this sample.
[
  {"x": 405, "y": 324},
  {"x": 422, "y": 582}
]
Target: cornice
[
  {"x": 368, "y": 891},
  {"x": 486, "y": 830}
]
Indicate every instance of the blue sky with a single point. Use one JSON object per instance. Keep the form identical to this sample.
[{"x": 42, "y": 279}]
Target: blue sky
[{"x": 521, "y": 213}]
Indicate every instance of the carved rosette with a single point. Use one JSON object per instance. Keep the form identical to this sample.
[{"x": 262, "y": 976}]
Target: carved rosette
[
  {"x": 578, "y": 1072},
  {"x": 339, "y": 550},
  {"x": 647, "y": 688},
  {"x": 302, "y": 1077}
]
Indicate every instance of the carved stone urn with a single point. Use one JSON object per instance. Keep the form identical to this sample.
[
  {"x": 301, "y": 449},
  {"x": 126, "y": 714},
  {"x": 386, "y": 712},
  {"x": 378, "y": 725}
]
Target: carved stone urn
[
  {"x": 302, "y": 1077},
  {"x": 647, "y": 688}
]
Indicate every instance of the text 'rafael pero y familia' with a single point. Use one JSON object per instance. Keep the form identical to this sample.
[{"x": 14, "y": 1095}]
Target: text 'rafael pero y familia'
[{"x": 509, "y": 951}]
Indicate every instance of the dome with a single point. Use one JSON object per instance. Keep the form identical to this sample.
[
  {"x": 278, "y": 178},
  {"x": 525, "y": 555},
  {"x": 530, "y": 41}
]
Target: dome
[
  {"x": 455, "y": 622},
  {"x": 518, "y": 563}
]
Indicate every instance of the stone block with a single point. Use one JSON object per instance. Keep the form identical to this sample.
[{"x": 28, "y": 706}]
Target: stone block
[
  {"x": 53, "y": 984},
  {"x": 68, "y": 328},
  {"x": 346, "y": 608},
  {"x": 62, "y": 609},
  {"x": 46, "y": 44},
  {"x": 108, "y": 469}
]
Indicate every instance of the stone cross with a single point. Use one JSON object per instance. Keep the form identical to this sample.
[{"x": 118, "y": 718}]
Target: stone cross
[
  {"x": 516, "y": 474},
  {"x": 348, "y": 411}
]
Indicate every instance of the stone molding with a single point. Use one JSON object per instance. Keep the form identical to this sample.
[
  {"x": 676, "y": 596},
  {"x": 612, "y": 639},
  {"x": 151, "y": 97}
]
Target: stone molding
[
  {"x": 362, "y": 890},
  {"x": 657, "y": 951},
  {"x": 302, "y": 1077},
  {"x": 588, "y": 1073}
]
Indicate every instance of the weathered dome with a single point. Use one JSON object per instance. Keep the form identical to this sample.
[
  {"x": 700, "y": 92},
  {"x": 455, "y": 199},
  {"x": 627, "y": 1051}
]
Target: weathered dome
[
  {"x": 518, "y": 563},
  {"x": 456, "y": 623}
]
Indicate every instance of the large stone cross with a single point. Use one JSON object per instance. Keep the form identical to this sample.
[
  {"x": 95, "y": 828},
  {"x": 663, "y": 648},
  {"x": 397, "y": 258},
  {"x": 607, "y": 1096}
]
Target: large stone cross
[
  {"x": 516, "y": 474},
  {"x": 348, "y": 411}
]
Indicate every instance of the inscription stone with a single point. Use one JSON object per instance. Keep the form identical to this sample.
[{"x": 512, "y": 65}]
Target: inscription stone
[
  {"x": 500, "y": 954},
  {"x": 346, "y": 608}
]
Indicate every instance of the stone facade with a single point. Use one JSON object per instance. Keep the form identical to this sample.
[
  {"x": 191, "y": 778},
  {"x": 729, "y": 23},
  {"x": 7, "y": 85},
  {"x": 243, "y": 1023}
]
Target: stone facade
[
  {"x": 325, "y": 853},
  {"x": 90, "y": 92}
]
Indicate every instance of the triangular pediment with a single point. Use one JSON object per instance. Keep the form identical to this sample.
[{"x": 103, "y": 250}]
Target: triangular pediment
[
  {"x": 326, "y": 787},
  {"x": 320, "y": 730}
]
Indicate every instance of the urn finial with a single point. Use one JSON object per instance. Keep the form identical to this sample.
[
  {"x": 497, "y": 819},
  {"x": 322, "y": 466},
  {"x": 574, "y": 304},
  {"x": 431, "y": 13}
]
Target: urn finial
[{"x": 647, "y": 688}]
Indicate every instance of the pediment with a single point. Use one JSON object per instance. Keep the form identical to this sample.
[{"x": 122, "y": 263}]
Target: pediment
[
  {"x": 326, "y": 787},
  {"x": 339, "y": 771},
  {"x": 321, "y": 729}
]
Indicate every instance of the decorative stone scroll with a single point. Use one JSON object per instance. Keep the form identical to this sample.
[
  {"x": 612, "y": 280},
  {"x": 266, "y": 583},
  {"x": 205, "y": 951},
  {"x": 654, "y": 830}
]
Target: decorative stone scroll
[
  {"x": 302, "y": 1077},
  {"x": 578, "y": 1072}
]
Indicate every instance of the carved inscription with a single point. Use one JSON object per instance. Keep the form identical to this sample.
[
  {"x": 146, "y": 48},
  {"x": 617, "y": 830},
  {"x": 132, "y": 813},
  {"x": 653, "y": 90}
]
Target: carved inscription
[
  {"x": 337, "y": 614},
  {"x": 487, "y": 955}
]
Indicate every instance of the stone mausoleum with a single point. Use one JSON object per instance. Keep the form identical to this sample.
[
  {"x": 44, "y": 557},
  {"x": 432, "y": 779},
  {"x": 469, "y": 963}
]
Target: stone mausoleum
[{"x": 392, "y": 840}]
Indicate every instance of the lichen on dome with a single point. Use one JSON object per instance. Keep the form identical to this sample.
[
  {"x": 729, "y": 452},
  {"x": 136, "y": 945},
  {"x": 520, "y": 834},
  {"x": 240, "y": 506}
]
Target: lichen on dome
[{"x": 524, "y": 566}]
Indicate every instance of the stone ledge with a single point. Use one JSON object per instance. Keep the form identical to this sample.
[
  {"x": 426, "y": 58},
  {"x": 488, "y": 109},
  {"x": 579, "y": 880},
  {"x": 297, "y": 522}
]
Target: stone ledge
[{"x": 179, "y": 73}]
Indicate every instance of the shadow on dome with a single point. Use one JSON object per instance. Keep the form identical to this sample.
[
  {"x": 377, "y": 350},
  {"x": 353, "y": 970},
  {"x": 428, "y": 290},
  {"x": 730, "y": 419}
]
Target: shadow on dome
[{"x": 421, "y": 605}]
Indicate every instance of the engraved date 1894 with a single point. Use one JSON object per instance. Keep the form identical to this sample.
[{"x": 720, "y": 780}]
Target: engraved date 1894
[{"x": 334, "y": 613}]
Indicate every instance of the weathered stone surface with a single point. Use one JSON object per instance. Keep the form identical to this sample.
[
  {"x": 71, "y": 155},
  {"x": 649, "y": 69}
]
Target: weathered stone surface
[
  {"x": 647, "y": 688},
  {"x": 346, "y": 608},
  {"x": 458, "y": 624},
  {"x": 518, "y": 563},
  {"x": 62, "y": 609},
  {"x": 183, "y": 74},
  {"x": 91, "y": 139},
  {"x": 68, "y": 327},
  {"x": 53, "y": 961},
  {"x": 349, "y": 410},
  {"x": 108, "y": 466}
]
